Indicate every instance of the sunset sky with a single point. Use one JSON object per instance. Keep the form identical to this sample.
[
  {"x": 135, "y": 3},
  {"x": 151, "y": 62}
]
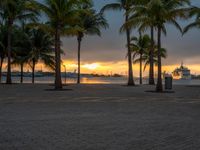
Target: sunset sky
[{"x": 107, "y": 53}]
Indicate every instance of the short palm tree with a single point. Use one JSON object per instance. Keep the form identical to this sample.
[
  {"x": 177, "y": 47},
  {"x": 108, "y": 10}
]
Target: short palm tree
[
  {"x": 11, "y": 11},
  {"x": 138, "y": 47},
  {"x": 20, "y": 59},
  {"x": 40, "y": 50},
  {"x": 21, "y": 49},
  {"x": 155, "y": 58},
  {"x": 2, "y": 56},
  {"x": 88, "y": 23},
  {"x": 60, "y": 14}
]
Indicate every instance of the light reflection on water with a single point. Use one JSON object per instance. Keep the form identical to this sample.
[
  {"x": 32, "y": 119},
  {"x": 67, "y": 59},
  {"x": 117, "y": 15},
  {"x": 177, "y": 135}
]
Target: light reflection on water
[
  {"x": 97, "y": 80},
  {"x": 85, "y": 80}
]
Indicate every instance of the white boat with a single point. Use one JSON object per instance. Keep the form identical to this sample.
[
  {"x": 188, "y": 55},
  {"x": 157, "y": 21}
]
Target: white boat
[{"x": 181, "y": 73}]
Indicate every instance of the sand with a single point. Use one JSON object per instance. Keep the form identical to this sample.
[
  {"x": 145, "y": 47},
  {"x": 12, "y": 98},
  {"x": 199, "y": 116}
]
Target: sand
[{"x": 98, "y": 117}]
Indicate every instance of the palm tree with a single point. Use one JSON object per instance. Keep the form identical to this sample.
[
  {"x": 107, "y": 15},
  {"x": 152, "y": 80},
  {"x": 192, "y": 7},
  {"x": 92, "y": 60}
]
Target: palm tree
[
  {"x": 166, "y": 12},
  {"x": 151, "y": 61},
  {"x": 40, "y": 50},
  {"x": 88, "y": 23},
  {"x": 195, "y": 11},
  {"x": 124, "y": 5},
  {"x": 146, "y": 56},
  {"x": 11, "y": 11},
  {"x": 20, "y": 58},
  {"x": 2, "y": 56},
  {"x": 21, "y": 49},
  {"x": 3, "y": 44},
  {"x": 139, "y": 46},
  {"x": 60, "y": 14}
]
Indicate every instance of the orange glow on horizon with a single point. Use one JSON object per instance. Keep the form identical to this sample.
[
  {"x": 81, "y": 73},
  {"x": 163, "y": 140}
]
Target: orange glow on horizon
[
  {"x": 121, "y": 67},
  {"x": 107, "y": 68}
]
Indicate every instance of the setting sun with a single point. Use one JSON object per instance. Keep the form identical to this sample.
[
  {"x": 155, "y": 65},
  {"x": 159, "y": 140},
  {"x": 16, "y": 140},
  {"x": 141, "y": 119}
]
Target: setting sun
[{"x": 91, "y": 66}]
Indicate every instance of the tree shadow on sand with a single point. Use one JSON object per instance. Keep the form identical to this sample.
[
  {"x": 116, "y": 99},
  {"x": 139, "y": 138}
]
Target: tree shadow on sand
[
  {"x": 63, "y": 89},
  {"x": 58, "y": 90},
  {"x": 154, "y": 91}
]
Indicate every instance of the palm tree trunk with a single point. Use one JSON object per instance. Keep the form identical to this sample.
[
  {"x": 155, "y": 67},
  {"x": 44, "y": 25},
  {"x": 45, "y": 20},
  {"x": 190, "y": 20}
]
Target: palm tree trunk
[
  {"x": 151, "y": 61},
  {"x": 8, "y": 79},
  {"x": 79, "y": 58},
  {"x": 140, "y": 68},
  {"x": 130, "y": 68},
  {"x": 1, "y": 65},
  {"x": 58, "y": 81},
  {"x": 33, "y": 72},
  {"x": 22, "y": 72},
  {"x": 159, "y": 87}
]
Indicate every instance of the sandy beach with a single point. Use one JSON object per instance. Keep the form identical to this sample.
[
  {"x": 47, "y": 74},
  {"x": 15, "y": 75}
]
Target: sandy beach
[{"x": 98, "y": 117}]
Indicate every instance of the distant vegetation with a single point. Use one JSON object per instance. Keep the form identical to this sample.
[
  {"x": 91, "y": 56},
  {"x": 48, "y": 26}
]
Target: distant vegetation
[{"x": 26, "y": 40}]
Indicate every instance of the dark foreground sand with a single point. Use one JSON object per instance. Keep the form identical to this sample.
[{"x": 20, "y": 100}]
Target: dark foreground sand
[{"x": 98, "y": 117}]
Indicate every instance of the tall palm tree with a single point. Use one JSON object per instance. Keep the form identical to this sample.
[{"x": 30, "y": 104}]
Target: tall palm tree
[
  {"x": 40, "y": 50},
  {"x": 3, "y": 45},
  {"x": 125, "y": 5},
  {"x": 60, "y": 14},
  {"x": 151, "y": 60},
  {"x": 88, "y": 23},
  {"x": 139, "y": 46},
  {"x": 11, "y": 11},
  {"x": 166, "y": 12}
]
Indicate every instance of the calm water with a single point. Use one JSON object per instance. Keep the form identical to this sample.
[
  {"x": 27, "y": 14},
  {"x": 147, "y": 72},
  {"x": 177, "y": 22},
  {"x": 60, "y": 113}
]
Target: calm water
[{"x": 98, "y": 80}]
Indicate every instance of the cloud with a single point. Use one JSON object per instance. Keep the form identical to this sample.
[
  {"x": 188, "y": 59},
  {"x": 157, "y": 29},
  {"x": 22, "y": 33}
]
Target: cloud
[{"x": 111, "y": 46}]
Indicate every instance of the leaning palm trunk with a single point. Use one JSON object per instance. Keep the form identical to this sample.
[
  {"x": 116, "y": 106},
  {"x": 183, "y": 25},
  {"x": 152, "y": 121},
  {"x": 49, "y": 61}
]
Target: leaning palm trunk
[
  {"x": 79, "y": 58},
  {"x": 8, "y": 79},
  {"x": 140, "y": 68},
  {"x": 58, "y": 81},
  {"x": 130, "y": 69},
  {"x": 151, "y": 61},
  {"x": 1, "y": 65},
  {"x": 22, "y": 72},
  {"x": 159, "y": 87}
]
